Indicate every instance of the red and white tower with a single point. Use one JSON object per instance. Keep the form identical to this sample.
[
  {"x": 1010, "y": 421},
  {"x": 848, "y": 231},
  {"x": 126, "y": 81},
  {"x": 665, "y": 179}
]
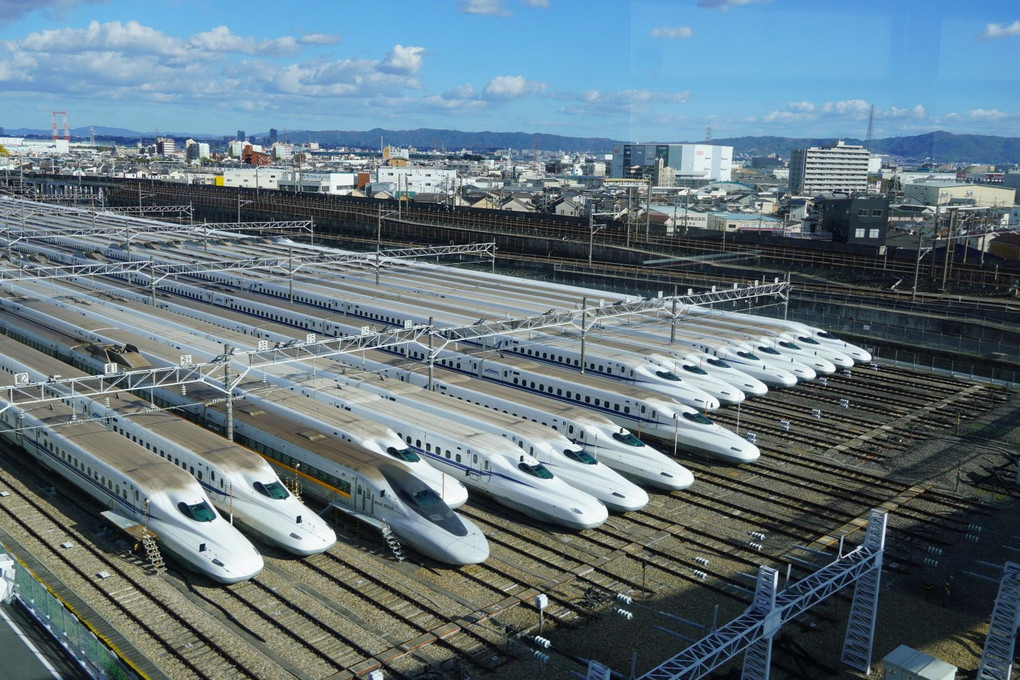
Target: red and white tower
[{"x": 67, "y": 127}]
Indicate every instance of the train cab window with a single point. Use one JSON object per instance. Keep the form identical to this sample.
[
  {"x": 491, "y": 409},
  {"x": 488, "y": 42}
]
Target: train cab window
[
  {"x": 806, "y": 340},
  {"x": 407, "y": 455},
  {"x": 827, "y": 335},
  {"x": 536, "y": 470},
  {"x": 627, "y": 438},
  {"x": 696, "y": 370},
  {"x": 667, "y": 375},
  {"x": 200, "y": 512},
  {"x": 718, "y": 362},
  {"x": 580, "y": 455},
  {"x": 696, "y": 417},
  {"x": 274, "y": 490},
  {"x": 747, "y": 355},
  {"x": 789, "y": 345},
  {"x": 768, "y": 350}
]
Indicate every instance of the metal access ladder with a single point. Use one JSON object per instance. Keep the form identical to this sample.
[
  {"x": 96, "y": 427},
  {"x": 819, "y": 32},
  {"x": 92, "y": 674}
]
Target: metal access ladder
[
  {"x": 392, "y": 542},
  {"x": 1000, "y": 646},
  {"x": 153, "y": 553}
]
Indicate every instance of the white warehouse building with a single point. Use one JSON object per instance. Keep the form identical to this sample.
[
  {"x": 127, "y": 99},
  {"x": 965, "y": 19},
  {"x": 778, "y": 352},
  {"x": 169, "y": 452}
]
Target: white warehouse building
[
  {"x": 413, "y": 181},
  {"x": 702, "y": 162}
]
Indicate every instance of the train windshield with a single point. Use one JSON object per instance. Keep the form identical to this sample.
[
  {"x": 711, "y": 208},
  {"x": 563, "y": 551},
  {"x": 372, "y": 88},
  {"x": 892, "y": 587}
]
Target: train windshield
[
  {"x": 423, "y": 500},
  {"x": 696, "y": 417},
  {"x": 581, "y": 456},
  {"x": 718, "y": 362},
  {"x": 747, "y": 355},
  {"x": 827, "y": 335},
  {"x": 200, "y": 512},
  {"x": 697, "y": 370},
  {"x": 806, "y": 340},
  {"x": 789, "y": 345},
  {"x": 273, "y": 490},
  {"x": 405, "y": 454},
  {"x": 768, "y": 350},
  {"x": 667, "y": 375},
  {"x": 627, "y": 438},
  {"x": 536, "y": 470}
]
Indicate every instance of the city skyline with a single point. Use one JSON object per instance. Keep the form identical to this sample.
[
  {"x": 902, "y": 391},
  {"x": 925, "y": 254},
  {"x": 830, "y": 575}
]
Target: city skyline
[{"x": 637, "y": 71}]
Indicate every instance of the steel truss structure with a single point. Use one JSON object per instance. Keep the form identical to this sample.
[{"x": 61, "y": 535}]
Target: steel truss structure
[
  {"x": 312, "y": 348},
  {"x": 151, "y": 210},
  {"x": 1000, "y": 645},
  {"x": 753, "y": 631}
]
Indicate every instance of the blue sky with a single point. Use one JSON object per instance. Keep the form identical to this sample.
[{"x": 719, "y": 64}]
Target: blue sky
[{"x": 630, "y": 70}]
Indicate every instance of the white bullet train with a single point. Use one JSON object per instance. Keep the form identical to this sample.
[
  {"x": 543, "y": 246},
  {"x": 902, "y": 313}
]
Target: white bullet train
[
  {"x": 632, "y": 408},
  {"x": 611, "y": 444},
  {"x": 615, "y": 365},
  {"x": 570, "y": 462},
  {"x": 800, "y": 333},
  {"x": 549, "y": 500},
  {"x": 135, "y": 484},
  {"x": 240, "y": 484},
  {"x": 339, "y": 473},
  {"x": 365, "y": 432}
]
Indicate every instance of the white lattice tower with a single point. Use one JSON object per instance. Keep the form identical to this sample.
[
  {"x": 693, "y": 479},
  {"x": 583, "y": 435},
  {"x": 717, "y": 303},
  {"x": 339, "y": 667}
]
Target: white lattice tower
[{"x": 1000, "y": 645}]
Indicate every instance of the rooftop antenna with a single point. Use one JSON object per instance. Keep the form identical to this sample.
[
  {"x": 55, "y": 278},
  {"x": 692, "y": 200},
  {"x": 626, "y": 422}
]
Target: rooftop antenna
[
  {"x": 871, "y": 124},
  {"x": 708, "y": 134}
]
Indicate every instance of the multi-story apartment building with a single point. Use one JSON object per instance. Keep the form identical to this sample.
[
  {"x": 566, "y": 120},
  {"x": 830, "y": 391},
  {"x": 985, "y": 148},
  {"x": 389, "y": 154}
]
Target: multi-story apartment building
[{"x": 840, "y": 168}]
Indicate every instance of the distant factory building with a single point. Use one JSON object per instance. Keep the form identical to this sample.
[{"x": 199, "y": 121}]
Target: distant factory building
[
  {"x": 338, "y": 183},
  {"x": 688, "y": 162},
  {"x": 840, "y": 168},
  {"x": 411, "y": 181},
  {"x": 19, "y": 146},
  {"x": 954, "y": 193}
]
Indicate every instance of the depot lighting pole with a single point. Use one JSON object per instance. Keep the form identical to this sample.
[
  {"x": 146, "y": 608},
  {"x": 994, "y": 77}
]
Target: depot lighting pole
[{"x": 584, "y": 324}]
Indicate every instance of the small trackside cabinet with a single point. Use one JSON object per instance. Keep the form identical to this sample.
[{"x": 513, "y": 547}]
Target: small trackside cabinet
[{"x": 906, "y": 663}]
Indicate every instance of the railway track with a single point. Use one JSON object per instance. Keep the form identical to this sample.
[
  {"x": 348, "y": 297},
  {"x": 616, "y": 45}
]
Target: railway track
[{"x": 114, "y": 582}]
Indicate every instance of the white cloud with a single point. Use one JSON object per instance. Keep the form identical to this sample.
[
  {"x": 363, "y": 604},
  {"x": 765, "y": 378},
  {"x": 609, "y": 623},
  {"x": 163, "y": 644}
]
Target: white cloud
[
  {"x": 511, "y": 87},
  {"x": 113, "y": 36},
  {"x": 672, "y": 32},
  {"x": 994, "y": 31},
  {"x": 854, "y": 107},
  {"x": 800, "y": 106},
  {"x": 402, "y": 60},
  {"x": 726, "y": 4},
  {"x": 537, "y": 3},
  {"x": 915, "y": 112},
  {"x": 460, "y": 92},
  {"x": 132, "y": 62},
  {"x": 491, "y": 7}
]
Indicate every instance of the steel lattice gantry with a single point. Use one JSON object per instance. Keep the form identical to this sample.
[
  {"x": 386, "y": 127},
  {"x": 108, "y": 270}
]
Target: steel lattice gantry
[
  {"x": 1000, "y": 645},
  {"x": 752, "y": 632},
  {"x": 312, "y": 348}
]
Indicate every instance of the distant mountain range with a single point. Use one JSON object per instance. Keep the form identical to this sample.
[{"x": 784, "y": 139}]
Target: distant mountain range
[{"x": 938, "y": 147}]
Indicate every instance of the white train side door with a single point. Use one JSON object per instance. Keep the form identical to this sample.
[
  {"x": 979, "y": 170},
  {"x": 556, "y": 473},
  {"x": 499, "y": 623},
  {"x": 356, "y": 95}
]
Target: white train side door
[{"x": 364, "y": 500}]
